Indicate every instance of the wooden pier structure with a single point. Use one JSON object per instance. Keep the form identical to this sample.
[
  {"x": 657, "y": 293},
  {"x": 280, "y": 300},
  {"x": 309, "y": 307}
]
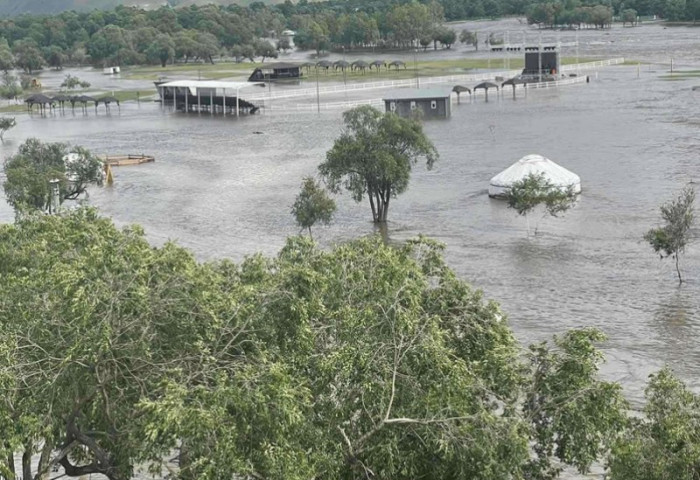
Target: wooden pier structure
[
  {"x": 130, "y": 159},
  {"x": 208, "y": 96}
]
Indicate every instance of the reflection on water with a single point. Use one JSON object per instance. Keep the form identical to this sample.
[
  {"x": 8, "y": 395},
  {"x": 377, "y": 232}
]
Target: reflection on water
[{"x": 222, "y": 190}]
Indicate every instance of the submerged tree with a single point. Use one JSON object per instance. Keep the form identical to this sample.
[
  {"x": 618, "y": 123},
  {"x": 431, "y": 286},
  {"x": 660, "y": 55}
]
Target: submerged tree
[
  {"x": 72, "y": 82},
  {"x": 671, "y": 239},
  {"x": 527, "y": 194},
  {"x": 6, "y": 123},
  {"x": 312, "y": 205},
  {"x": 374, "y": 157},
  {"x": 31, "y": 170}
]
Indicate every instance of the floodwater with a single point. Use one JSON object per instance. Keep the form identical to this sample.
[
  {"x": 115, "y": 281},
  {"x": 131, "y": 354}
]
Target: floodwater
[{"x": 223, "y": 188}]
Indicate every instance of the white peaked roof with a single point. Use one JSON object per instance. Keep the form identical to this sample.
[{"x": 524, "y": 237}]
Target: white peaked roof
[{"x": 557, "y": 175}]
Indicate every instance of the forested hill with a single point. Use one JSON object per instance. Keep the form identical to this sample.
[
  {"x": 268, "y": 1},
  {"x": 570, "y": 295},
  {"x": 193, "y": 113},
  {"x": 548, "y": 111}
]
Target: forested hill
[
  {"x": 39, "y": 7},
  {"x": 10, "y": 8}
]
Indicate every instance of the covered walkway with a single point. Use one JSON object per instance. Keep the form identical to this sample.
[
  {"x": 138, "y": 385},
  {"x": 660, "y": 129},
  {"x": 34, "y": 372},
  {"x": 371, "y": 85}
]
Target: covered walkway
[{"x": 211, "y": 96}]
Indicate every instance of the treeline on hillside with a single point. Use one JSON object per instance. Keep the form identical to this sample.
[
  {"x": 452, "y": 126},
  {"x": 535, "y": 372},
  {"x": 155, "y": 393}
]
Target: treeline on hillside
[{"x": 128, "y": 35}]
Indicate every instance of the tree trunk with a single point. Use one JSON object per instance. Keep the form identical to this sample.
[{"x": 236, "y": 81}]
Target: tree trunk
[
  {"x": 374, "y": 209},
  {"x": 387, "y": 198},
  {"x": 27, "y": 462},
  {"x": 10, "y": 463},
  {"x": 380, "y": 207},
  {"x": 310, "y": 236},
  {"x": 43, "y": 468},
  {"x": 678, "y": 269}
]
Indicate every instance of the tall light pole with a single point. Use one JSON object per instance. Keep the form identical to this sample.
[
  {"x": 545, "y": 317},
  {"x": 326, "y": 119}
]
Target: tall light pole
[
  {"x": 318, "y": 96},
  {"x": 415, "y": 66},
  {"x": 345, "y": 80}
]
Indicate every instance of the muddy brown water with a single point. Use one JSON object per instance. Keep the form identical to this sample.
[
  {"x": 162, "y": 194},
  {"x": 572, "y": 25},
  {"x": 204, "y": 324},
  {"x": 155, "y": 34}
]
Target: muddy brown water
[{"x": 223, "y": 190}]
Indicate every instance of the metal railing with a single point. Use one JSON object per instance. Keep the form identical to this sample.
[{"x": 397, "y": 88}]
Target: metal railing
[
  {"x": 310, "y": 107},
  {"x": 410, "y": 82}
]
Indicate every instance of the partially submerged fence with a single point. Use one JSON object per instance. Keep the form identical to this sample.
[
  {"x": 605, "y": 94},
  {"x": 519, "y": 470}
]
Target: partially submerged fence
[{"x": 418, "y": 81}]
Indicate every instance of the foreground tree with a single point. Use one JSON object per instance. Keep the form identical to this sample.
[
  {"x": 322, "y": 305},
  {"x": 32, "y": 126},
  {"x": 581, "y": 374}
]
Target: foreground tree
[
  {"x": 312, "y": 205},
  {"x": 525, "y": 195},
  {"x": 94, "y": 324},
  {"x": 374, "y": 156},
  {"x": 575, "y": 417},
  {"x": 6, "y": 123},
  {"x": 664, "y": 442},
  {"x": 671, "y": 239},
  {"x": 29, "y": 174},
  {"x": 363, "y": 361}
]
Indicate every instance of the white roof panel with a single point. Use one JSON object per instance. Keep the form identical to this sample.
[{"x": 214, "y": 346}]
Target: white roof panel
[
  {"x": 194, "y": 84},
  {"x": 556, "y": 174}
]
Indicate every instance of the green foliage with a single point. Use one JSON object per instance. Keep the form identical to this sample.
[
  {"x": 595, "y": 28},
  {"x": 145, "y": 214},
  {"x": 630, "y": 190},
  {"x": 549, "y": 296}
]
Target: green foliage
[
  {"x": 312, "y": 205},
  {"x": 10, "y": 86},
  {"x": 574, "y": 416},
  {"x": 365, "y": 360},
  {"x": 54, "y": 56},
  {"x": 6, "y": 123},
  {"x": 7, "y": 60},
  {"x": 671, "y": 239},
  {"x": 628, "y": 15},
  {"x": 374, "y": 157},
  {"x": 29, "y": 172},
  {"x": 665, "y": 442},
  {"x": 265, "y": 49},
  {"x": 28, "y": 57},
  {"x": 283, "y": 44},
  {"x": 162, "y": 50},
  {"x": 446, "y": 36},
  {"x": 469, "y": 38},
  {"x": 534, "y": 190},
  {"x": 241, "y": 52},
  {"x": 72, "y": 82}
]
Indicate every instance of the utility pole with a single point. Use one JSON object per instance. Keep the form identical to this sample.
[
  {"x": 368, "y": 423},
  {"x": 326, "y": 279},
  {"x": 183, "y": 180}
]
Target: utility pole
[
  {"x": 415, "y": 66},
  {"x": 318, "y": 95}
]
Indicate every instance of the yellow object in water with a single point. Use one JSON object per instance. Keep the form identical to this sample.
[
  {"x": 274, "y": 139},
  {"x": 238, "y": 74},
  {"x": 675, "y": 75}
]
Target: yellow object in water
[{"x": 109, "y": 178}]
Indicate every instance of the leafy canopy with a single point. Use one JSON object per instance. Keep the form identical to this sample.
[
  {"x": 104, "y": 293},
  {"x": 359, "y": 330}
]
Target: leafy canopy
[
  {"x": 6, "y": 123},
  {"x": 312, "y": 205},
  {"x": 30, "y": 171},
  {"x": 665, "y": 441},
  {"x": 72, "y": 82},
  {"x": 671, "y": 239},
  {"x": 374, "y": 156},
  {"x": 534, "y": 190}
]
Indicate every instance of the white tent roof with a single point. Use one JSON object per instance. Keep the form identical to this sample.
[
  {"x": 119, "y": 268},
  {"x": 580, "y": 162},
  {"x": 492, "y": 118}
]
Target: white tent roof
[
  {"x": 193, "y": 85},
  {"x": 557, "y": 175}
]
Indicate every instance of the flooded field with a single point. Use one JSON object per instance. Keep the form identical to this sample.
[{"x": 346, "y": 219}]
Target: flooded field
[{"x": 223, "y": 187}]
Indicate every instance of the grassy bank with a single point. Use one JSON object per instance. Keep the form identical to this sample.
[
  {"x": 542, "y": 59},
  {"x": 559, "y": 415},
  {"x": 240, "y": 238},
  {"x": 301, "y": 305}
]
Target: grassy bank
[{"x": 420, "y": 68}]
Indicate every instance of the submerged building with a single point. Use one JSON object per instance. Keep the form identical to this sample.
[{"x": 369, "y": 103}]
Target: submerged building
[
  {"x": 209, "y": 96},
  {"x": 557, "y": 175},
  {"x": 432, "y": 102}
]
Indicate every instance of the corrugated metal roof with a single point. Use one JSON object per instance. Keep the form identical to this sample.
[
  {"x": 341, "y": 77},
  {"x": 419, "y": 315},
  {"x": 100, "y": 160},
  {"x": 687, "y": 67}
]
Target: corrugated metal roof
[
  {"x": 417, "y": 93},
  {"x": 279, "y": 65}
]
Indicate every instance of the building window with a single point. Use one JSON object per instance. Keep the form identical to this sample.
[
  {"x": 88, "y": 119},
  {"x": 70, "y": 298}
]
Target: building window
[
  {"x": 413, "y": 105},
  {"x": 433, "y": 104}
]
